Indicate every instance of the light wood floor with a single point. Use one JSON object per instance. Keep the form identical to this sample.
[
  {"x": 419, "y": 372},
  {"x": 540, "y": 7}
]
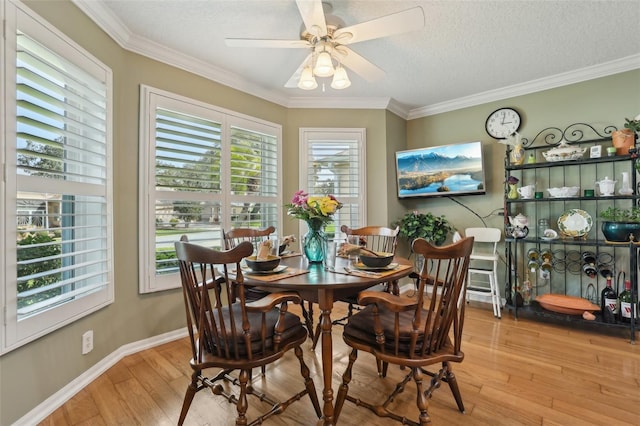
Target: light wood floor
[{"x": 516, "y": 372}]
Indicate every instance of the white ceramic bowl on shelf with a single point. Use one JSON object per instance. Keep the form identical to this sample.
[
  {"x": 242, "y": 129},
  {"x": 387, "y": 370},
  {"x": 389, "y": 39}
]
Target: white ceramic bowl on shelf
[{"x": 565, "y": 191}]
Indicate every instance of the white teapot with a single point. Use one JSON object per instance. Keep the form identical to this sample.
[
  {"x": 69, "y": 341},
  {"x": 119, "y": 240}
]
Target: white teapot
[
  {"x": 518, "y": 227},
  {"x": 607, "y": 186},
  {"x": 519, "y": 221}
]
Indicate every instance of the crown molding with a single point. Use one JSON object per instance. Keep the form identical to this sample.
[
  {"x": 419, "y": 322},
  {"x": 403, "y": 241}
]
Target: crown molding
[
  {"x": 106, "y": 20},
  {"x": 204, "y": 69},
  {"x": 628, "y": 63},
  {"x": 398, "y": 109},
  {"x": 110, "y": 23},
  {"x": 345, "y": 103}
]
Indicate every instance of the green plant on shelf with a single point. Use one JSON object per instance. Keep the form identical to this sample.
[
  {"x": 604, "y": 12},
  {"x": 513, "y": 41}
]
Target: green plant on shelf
[
  {"x": 633, "y": 124},
  {"x": 616, "y": 214}
]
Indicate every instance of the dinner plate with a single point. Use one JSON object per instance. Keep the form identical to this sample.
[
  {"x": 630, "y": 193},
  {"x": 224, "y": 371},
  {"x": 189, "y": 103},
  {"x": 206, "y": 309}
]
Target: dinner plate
[
  {"x": 575, "y": 223},
  {"x": 364, "y": 267},
  {"x": 275, "y": 270}
]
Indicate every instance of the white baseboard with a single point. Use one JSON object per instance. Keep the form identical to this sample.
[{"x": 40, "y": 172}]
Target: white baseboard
[{"x": 55, "y": 401}]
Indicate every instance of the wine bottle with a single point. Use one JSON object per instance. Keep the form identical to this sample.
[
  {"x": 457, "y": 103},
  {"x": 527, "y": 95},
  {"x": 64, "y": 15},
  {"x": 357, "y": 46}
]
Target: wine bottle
[
  {"x": 526, "y": 290},
  {"x": 609, "y": 303},
  {"x": 627, "y": 305}
]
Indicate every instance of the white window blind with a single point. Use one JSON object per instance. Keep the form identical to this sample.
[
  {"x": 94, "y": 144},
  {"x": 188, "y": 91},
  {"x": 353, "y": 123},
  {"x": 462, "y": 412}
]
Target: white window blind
[
  {"x": 59, "y": 184},
  {"x": 333, "y": 162},
  {"x": 254, "y": 184},
  {"x": 62, "y": 247},
  {"x": 187, "y": 174},
  {"x": 204, "y": 170}
]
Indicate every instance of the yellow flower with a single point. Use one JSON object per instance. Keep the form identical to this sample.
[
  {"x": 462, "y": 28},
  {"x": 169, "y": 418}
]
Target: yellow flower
[
  {"x": 328, "y": 206},
  {"x": 325, "y": 204}
]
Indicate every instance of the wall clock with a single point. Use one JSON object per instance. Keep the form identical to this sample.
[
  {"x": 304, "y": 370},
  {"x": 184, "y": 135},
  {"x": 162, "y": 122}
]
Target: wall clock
[{"x": 503, "y": 122}]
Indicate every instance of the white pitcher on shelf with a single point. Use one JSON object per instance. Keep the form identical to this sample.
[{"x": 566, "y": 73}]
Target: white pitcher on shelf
[
  {"x": 626, "y": 188},
  {"x": 526, "y": 191}
]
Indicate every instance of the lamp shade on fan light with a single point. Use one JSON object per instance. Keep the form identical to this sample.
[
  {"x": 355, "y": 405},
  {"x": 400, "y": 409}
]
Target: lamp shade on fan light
[
  {"x": 324, "y": 65},
  {"x": 307, "y": 81},
  {"x": 340, "y": 79}
]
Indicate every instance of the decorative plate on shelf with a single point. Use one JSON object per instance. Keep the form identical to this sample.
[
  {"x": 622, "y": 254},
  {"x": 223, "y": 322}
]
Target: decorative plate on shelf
[{"x": 575, "y": 223}]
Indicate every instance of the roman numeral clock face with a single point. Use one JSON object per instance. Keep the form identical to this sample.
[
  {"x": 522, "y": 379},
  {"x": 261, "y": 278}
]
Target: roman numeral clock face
[{"x": 503, "y": 122}]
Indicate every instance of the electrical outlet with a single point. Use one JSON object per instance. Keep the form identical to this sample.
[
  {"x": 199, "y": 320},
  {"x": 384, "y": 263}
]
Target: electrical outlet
[{"x": 87, "y": 342}]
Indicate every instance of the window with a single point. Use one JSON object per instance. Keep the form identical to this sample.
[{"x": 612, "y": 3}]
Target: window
[
  {"x": 332, "y": 161},
  {"x": 57, "y": 154},
  {"x": 203, "y": 170}
]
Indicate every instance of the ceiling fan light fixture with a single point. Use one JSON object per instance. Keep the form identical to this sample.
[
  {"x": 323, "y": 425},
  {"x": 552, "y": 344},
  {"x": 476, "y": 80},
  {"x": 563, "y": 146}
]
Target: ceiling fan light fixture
[
  {"x": 340, "y": 79},
  {"x": 324, "y": 65},
  {"x": 307, "y": 81}
]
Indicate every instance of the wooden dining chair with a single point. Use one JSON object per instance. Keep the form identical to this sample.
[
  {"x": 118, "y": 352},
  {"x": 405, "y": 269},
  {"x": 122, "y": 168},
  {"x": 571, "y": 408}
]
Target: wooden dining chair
[
  {"x": 230, "y": 334},
  {"x": 375, "y": 238},
  {"x": 255, "y": 236},
  {"x": 413, "y": 332}
]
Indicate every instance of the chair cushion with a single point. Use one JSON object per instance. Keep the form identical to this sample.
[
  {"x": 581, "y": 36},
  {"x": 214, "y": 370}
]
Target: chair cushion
[
  {"x": 360, "y": 327},
  {"x": 353, "y": 299},
  {"x": 292, "y": 328}
]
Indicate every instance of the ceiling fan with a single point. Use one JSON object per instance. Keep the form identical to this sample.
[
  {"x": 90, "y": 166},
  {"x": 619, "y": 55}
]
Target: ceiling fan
[{"x": 326, "y": 36}]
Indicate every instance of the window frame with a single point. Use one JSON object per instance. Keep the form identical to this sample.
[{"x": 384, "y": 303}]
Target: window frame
[
  {"x": 17, "y": 332},
  {"x": 335, "y": 135},
  {"x": 152, "y": 98}
]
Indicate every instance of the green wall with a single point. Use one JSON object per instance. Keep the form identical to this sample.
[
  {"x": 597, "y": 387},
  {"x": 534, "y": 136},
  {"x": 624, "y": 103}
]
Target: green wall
[{"x": 34, "y": 372}]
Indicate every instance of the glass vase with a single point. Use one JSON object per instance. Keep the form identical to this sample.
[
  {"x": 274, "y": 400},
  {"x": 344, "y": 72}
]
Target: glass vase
[{"x": 314, "y": 242}]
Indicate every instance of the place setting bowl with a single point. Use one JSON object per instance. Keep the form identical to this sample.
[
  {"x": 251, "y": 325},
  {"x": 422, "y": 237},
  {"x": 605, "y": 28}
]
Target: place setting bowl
[
  {"x": 262, "y": 265},
  {"x": 376, "y": 259}
]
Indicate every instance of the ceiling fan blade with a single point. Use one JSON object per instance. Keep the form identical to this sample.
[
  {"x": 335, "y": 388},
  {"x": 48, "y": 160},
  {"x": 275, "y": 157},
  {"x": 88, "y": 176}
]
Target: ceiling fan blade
[
  {"x": 360, "y": 65},
  {"x": 397, "y": 23},
  {"x": 281, "y": 44},
  {"x": 293, "y": 80},
  {"x": 313, "y": 16}
]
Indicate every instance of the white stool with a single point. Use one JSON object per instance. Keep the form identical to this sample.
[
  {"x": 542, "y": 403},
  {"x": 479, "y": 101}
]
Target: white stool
[{"x": 484, "y": 261}]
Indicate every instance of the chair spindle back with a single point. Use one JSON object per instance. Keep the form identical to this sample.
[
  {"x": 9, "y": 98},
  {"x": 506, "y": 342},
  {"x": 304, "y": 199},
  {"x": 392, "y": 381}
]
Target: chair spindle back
[
  {"x": 375, "y": 238},
  {"x": 445, "y": 269},
  {"x": 222, "y": 326}
]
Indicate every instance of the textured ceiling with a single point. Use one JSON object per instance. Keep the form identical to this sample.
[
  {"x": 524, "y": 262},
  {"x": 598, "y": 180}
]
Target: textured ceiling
[{"x": 467, "y": 48}]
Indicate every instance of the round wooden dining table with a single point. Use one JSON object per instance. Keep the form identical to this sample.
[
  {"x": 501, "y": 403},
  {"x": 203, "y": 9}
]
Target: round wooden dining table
[{"x": 317, "y": 285}]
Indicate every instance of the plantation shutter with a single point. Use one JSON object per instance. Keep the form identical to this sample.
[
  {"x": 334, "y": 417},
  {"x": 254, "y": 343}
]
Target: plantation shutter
[
  {"x": 188, "y": 182},
  {"x": 202, "y": 170},
  {"x": 253, "y": 178},
  {"x": 62, "y": 166},
  {"x": 334, "y": 164}
]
